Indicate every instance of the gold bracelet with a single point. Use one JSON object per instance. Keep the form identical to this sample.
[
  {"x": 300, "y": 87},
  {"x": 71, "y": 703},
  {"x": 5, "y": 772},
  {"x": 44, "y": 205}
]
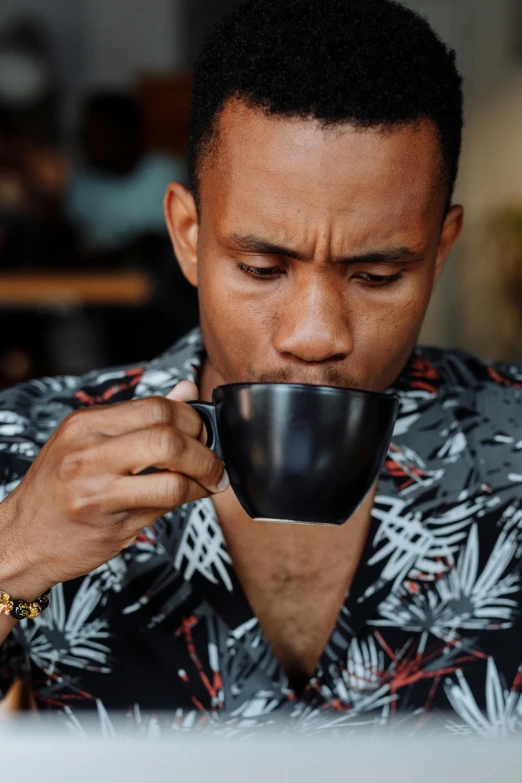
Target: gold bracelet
[{"x": 22, "y": 610}]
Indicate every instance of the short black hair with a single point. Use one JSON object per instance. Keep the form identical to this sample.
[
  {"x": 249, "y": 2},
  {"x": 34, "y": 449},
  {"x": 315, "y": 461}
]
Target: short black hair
[{"x": 369, "y": 63}]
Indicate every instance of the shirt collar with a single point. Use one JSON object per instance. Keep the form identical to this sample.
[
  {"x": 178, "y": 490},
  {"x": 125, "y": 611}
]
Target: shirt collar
[{"x": 182, "y": 362}]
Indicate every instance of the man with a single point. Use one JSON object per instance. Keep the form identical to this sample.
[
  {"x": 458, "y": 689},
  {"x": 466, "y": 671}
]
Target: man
[{"x": 324, "y": 148}]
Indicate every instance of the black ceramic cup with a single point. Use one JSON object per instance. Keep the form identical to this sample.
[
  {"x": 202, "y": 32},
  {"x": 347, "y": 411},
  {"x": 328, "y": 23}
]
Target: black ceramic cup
[{"x": 299, "y": 453}]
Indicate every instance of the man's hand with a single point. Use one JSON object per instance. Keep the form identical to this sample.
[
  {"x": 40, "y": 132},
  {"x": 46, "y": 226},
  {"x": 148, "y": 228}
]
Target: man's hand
[{"x": 83, "y": 500}]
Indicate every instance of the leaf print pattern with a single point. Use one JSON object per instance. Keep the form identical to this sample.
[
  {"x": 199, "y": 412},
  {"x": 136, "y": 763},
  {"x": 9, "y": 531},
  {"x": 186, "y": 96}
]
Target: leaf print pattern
[
  {"x": 463, "y": 598},
  {"x": 69, "y": 637},
  {"x": 431, "y": 626},
  {"x": 202, "y": 547},
  {"x": 502, "y": 714}
]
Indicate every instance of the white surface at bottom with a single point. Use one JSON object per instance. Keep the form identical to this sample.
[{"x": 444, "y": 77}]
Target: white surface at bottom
[{"x": 188, "y": 759}]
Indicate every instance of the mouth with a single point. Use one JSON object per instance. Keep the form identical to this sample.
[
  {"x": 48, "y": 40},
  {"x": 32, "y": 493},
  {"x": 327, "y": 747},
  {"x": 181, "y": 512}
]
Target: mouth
[{"x": 309, "y": 379}]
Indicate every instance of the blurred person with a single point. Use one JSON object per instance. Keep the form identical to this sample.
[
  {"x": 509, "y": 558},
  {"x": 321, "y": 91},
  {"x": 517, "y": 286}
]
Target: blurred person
[
  {"x": 324, "y": 147},
  {"x": 114, "y": 205},
  {"x": 115, "y": 196}
]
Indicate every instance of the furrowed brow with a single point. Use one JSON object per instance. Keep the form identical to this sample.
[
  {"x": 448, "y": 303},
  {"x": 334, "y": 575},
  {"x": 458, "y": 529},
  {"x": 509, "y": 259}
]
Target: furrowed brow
[
  {"x": 396, "y": 253},
  {"x": 253, "y": 244}
]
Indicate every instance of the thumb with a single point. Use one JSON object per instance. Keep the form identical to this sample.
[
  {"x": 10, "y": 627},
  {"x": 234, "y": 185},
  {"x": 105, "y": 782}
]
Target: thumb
[{"x": 184, "y": 391}]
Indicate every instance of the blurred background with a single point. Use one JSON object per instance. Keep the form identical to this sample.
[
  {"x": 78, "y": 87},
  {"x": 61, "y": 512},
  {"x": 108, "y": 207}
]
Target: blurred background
[{"x": 94, "y": 101}]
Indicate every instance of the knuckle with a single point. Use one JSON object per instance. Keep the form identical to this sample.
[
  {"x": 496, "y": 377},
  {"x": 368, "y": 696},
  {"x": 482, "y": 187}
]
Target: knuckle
[
  {"x": 170, "y": 491},
  {"x": 214, "y": 470},
  {"x": 74, "y": 422},
  {"x": 176, "y": 490},
  {"x": 158, "y": 410},
  {"x": 168, "y": 441},
  {"x": 87, "y": 501},
  {"x": 71, "y": 465},
  {"x": 83, "y": 507}
]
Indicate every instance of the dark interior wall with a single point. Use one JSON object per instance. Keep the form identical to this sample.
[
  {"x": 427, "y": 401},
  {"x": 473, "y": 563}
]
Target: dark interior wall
[{"x": 199, "y": 14}]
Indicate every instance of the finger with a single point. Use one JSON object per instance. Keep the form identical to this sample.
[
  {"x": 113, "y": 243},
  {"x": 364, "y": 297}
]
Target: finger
[
  {"x": 185, "y": 391},
  {"x": 122, "y": 417},
  {"x": 161, "y": 447},
  {"x": 154, "y": 491}
]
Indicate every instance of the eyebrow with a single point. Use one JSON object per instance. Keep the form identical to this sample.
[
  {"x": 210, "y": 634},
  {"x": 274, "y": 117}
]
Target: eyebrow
[{"x": 252, "y": 244}]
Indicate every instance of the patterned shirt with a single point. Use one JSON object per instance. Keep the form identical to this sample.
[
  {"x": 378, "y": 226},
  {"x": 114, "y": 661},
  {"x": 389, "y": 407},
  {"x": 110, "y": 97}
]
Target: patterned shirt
[{"x": 430, "y": 629}]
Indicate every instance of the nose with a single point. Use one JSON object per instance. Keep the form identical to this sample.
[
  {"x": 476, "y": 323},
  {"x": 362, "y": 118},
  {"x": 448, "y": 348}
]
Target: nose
[{"x": 313, "y": 324}]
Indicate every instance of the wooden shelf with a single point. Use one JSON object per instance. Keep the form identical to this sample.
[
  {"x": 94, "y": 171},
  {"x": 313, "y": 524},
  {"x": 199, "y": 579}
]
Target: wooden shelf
[{"x": 75, "y": 289}]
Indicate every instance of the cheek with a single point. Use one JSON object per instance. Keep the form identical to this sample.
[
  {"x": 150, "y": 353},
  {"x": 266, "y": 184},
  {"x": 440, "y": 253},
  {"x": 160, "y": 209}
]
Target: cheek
[
  {"x": 398, "y": 313},
  {"x": 405, "y": 316},
  {"x": 385, "y": 331},
  {"x": 232, "y": 309},
  {"x": 235, "y": 326}
]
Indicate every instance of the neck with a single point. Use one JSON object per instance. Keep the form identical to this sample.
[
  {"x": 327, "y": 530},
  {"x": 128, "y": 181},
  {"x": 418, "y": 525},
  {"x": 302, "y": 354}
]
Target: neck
[
  {"x": 295, "y": 578},
  {"x": 294, "y": 551}
]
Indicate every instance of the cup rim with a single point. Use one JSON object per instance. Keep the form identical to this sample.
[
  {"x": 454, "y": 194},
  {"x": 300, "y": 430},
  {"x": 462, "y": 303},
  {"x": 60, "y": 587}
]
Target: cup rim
[{"x": 335, "y": 389}]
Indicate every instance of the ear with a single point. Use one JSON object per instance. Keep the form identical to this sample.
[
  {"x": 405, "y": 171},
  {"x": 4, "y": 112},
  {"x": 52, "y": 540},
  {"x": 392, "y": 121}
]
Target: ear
[
  {"x": 451, "y": 229},
  {"x": 182, "y": 222}
]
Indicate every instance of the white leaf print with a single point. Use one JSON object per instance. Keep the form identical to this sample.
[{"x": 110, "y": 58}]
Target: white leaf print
[
  {"x": 503, "y": 712},
  {"x": 69, "y": 638},
  {"x": 461, "y": 599},
  {"x": 202, "y": 547}
]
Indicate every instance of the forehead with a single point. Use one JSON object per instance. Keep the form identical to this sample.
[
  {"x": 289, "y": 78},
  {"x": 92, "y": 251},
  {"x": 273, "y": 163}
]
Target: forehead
[{"x": 286, "y": 172}]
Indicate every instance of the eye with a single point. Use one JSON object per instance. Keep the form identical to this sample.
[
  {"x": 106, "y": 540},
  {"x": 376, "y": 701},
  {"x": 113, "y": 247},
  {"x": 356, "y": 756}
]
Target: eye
[
  {"x": 379, "y": 280},
  {"x": 266, "y": 272}
]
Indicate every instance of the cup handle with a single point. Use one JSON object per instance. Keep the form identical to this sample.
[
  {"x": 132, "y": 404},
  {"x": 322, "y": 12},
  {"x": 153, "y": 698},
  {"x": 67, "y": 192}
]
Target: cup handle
[{"x": 207, "y": 411}]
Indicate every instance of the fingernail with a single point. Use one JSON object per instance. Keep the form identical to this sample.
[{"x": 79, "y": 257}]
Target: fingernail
[{"x": 224, "y": 483}]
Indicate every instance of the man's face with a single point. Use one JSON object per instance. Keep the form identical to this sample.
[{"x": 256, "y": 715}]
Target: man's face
[{"x": 316, "y": 251}]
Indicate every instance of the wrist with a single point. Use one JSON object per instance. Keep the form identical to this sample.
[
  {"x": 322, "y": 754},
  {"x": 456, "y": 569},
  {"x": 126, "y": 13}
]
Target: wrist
[
  {"x": 18, "y": 576},
  {"x": 22, "y": 584}
]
